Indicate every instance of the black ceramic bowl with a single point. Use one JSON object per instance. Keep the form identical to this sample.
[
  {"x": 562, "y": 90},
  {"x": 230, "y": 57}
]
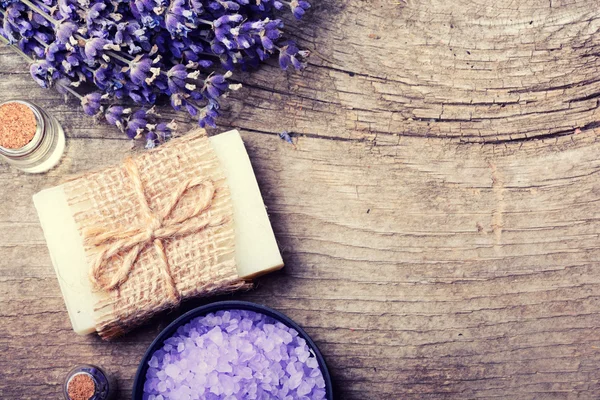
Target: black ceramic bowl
[{"x": 140, "y": 376}]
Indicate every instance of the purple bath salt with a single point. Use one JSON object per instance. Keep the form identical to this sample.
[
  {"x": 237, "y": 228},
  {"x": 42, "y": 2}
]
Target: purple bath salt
[{"x": 233, "y": 355}]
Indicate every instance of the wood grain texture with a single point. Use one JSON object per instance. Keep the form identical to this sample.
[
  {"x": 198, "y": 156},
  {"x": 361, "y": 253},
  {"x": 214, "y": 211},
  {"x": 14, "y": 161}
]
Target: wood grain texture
[{"x": 439, "y": 214}]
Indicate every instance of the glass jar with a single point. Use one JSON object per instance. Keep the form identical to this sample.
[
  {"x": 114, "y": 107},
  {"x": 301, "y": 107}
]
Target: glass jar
[
  {"x": 104, "y": 386},
  {"x": 45, "y": 148}
]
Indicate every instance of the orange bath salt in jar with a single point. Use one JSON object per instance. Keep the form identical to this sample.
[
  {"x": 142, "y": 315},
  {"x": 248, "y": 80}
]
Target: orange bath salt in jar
[{"x": 30, "y": 139}]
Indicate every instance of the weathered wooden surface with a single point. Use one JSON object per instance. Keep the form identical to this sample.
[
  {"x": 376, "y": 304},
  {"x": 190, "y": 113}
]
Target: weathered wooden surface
[{"x": 438, "y": 216}]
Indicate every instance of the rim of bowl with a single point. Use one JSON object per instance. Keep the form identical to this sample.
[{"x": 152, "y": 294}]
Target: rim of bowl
[{"x": 140, "y": 376}]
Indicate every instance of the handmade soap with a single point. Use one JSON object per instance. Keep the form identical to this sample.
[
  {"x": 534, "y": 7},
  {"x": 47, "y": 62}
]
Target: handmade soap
[{"x": 256, "y": 251}]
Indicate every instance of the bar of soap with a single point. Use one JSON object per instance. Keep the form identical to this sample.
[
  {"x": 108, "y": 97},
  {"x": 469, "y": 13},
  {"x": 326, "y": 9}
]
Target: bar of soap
[{"x": 256, "y": 251}]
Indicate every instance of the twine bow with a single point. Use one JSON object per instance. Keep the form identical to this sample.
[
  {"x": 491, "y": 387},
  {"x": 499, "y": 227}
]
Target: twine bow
[{"x": 154, "y": 227}]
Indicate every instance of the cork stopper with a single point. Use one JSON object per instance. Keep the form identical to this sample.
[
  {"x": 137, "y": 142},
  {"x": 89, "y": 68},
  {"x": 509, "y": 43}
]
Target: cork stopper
[
  {"x": 17, "y": 125},
  {"x": 81, "y": 387}
]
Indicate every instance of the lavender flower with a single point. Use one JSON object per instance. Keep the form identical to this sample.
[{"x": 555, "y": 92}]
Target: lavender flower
[
  {"x": 208, "y": 115},
  {"x": 288, "y": 54},
  {"x": 176, "y": 78},
  {"x": 66, "y": 8},
  {"x": 140, "y": 70},
  {"x": 285, "y": 135},
  {"x": 91, "y": 103},
  {"x": 31, "y": 46},
  {"x": 299, "y": 7},
  {"x": 93, "y": 13},
  {"x": 94, "y": 47},
  {"x": 216, "y": 85},
  {"x": 158, "y": 133},
  {"x": 177, "y": 17},
  {"x": 227, "y": 19},
  {"x": 43, "y": 73},
  {"x": 136, "y": 125},
  {"x": 9, "y": 32},
  {"x": 115, "y": 114},
  {"x": 17, "y": 20},
  {"x": 65, "y": 31}
]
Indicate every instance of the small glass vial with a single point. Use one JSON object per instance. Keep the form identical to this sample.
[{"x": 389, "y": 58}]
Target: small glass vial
[
  {"x": 45, "y": 148},
  {"x": 88, "y": 382}
]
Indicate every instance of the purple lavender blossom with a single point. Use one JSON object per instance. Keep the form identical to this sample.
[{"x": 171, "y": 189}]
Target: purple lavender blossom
[
  {"x": 227, "y": 19},
  {"x": 94, "y": 47},
  {"x": 91, "y": 103},
  {"x": 9, "y": 32},
  {"x": 177, "y": 18},
  {"x": 65, "y": 31},
  {"x": 115, "y": 115},
  {"x": 31, "y": 46},
  {"x": 216, "y": 85},
  {"x": 299, "y": 7},
  {"x": 234, "y": 354},
  {"x": 136, "y": 125},
  {"x": 176, "y": 77},
  {"x": 208, "y": 115},
  {"x": 139, "y": 69},
  {"x": 43, "y": 73},
  {"x": 66, "y": 7},
  {"x": 289, "y": 54},
  {"x": 93, "y": 13},
  {"x": 159, "y": 133},
  {"x": 285, "y": 135},
  {"x": 18, "y": 21}
]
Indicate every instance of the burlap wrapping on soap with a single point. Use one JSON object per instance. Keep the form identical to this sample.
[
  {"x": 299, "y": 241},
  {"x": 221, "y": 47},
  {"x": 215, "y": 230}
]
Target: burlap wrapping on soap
[{"x": 185, "y": 255}]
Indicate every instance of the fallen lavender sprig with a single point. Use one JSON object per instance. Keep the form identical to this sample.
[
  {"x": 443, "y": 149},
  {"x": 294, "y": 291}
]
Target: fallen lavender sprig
[{"x": 115, "y": 54}]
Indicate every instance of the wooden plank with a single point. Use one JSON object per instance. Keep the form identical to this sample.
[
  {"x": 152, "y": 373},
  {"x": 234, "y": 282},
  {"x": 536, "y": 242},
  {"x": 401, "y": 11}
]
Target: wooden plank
[{"x": 433, "y": 249}]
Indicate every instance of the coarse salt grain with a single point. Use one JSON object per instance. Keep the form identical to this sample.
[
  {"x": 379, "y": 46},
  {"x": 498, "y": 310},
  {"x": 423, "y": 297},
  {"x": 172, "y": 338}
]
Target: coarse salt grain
[
  {"x": 235, "y": 354},
  {"x": 17, "y": 125}
]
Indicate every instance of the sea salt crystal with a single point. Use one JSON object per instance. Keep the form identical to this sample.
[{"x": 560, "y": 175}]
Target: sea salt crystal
[
  {"x": 223, "y": 366},
  {"x": 153, "y": 362},
  {"x": 268, "y": 345},
  {"x": 244, "y": 372},
  {"x": 225, "y": 317},
  {"x": 312, "y": 363},
  {"x": 227, "y": 384},
  {"x": 295, "y": 379},
  {"x": 172, "y": 370},
  {"x": 320, "y": 382},
  {"x": 302, "y": 353},
  {"x": 304, "y": 388},
  {"x": 216, "y": 336},
  {"x": 290, "y": 369},
  {"x": 231, "y": 355},
  {"x": 161, "y": 375}
]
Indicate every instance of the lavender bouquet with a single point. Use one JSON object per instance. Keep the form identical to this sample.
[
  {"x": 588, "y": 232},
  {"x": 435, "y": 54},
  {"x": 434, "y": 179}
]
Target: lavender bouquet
[{"x": 118, "y": 57}]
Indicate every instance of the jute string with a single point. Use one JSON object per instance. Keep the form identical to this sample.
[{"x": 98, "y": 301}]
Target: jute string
[{"x": 154, "y": 227}]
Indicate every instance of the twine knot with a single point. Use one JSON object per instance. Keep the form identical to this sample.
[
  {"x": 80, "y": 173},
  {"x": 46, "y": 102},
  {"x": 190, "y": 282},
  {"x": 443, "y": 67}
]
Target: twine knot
[
  {"x": 154, "y": 225},
  {"x": 128, "y": 243}
]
